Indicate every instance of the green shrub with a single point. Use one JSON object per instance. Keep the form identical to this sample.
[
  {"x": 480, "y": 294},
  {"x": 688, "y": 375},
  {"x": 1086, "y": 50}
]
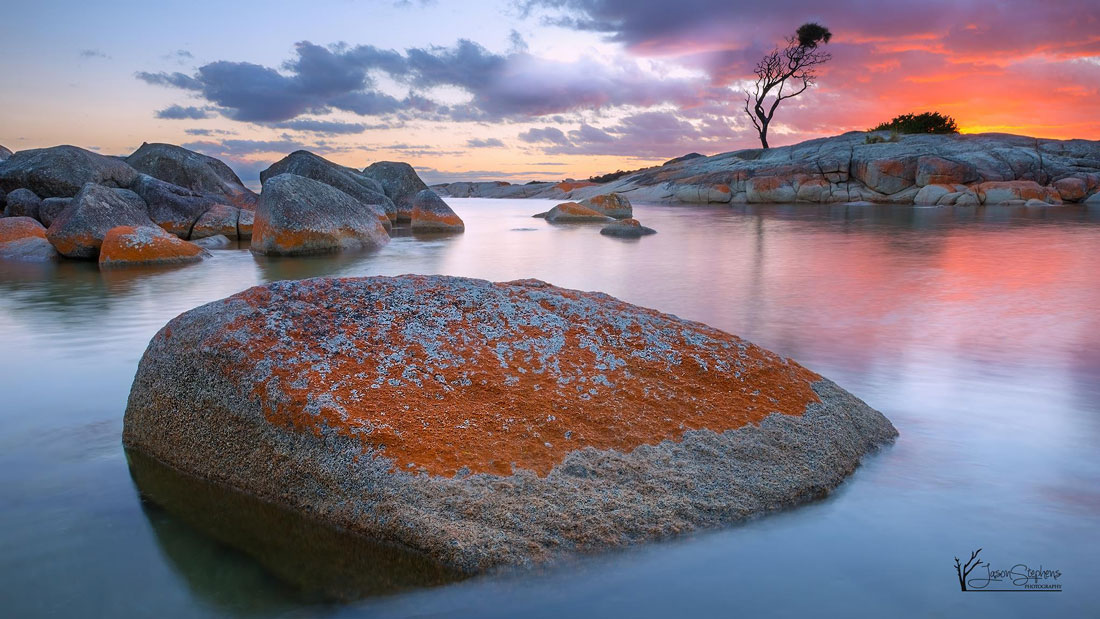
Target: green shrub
[{"x": 928, "y": 122}]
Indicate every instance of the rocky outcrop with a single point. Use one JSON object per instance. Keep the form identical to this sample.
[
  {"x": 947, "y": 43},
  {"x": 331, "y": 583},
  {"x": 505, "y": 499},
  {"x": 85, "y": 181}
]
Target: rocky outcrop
[
  {"x": 626, "y": 229},
  {"x": 126, "y": 246},
  {"x": 22, "y": 203},
  {"x": 4, "y": 153},
  {"x": 571, "y": 212},
  {"x": 484, "y": 424},
  {"x": 61, "y": 171},
  {"x": 203, "y": 175},
  {"x": 301, "y": 216},
  {"x": 363, "y": 188},
  {"x": 23, "y": 239},
  {"x": 431, "y": 214},
  {"x": 612, "y": 204},
  {"x": 401, "y": 184},
  {"x": 78, "y": 231},
  {"x": 846, "y": 168}
]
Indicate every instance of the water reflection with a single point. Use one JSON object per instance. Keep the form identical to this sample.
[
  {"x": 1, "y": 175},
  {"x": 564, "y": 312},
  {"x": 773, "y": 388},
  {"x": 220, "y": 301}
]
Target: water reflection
[
  {"x": 323, "y": 562},
  {"x": 975, "y": 330}
]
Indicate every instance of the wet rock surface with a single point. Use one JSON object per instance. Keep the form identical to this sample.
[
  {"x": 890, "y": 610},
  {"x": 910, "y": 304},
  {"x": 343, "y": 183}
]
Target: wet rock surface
[
  {"x": 484, "y": 424},
  {"x": 627, "y": 229}
]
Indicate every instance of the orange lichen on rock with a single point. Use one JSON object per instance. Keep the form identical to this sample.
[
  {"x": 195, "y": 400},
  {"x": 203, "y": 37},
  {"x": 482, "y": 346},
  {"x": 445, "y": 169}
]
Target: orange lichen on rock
[
  {"x": 18, "y": 228},
  {"x": 567, "y": 186},
  {"x": 444, "y": 375},
  {"x": 145, "y": 245}
]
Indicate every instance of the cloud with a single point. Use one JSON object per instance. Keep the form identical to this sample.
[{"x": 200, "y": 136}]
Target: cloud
[
  {"x": 484, "y": 143},
  {"x": 322, "y": 127},
  {"x": 516, "y": 85},
  {"x": 178, "y": 112},
  {"x": 92, "y": 53},
  {"x": 207, "y": 132},
  {"x": 552, "y": 135}
]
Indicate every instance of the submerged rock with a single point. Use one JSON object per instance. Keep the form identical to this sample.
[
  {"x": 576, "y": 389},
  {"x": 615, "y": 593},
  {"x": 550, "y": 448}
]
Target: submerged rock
[
  {"x": 401, "y": 184},
  {"x": 199, "y": 173},
  {"x": 350, "y": 181},
  {"x": 125, "y": 246},
  {"x": 23, "y": 239},
  {"x": 300, "y": 216},
  {"x": 431, "y": 214},
  {"x": 218, "y": 241},
  {"x": 61, "y": 171},
  {"x": 22, "y": 203},
  {"x": 78, "y": 231},
  {"x": 612, "y": 205},
  {"x": 571, "y": 212},
  {"x": 627, "y": 229},
  {"x": 485, "y": 424}
]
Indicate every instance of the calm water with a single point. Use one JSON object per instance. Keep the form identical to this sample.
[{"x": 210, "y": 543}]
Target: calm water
[{"x": 976, "y": 331}]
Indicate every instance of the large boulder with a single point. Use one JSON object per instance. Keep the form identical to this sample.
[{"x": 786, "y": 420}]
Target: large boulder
[
  {"x": 174, "y": 208},
  {"x": 126, "y": 246},
  {"x": 401, "y": 184},
  {"x": 23, "y": 239},
  {"x": 886, "y": 175},
  {"x": 348, "y": 180},
  {"x": 626, "y": 229},
  {"x": 932, "y": 170},
  {"x": 615, "y": 205},
  {"x": 4, "y": 153},
  {"x": 431, "y": 214},
  {"x": 1071, "y": 189},
  {"x": 51, "y": 208},
  {"x": 245, "y": 221},
  {"x": 61, "y": 171},
  {"x": 199, "y": 173},
  {"x": 300, "y": 216},
  {"x": 22, "y": 203},
  {"x": 485, "y": 424},
  {"x": 78, "y": 231},
  {"x": 571, "y": 212}
]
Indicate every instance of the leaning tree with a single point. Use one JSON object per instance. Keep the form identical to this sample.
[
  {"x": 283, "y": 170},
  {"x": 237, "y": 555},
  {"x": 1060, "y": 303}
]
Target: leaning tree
[{"x": 796, "y": 63}]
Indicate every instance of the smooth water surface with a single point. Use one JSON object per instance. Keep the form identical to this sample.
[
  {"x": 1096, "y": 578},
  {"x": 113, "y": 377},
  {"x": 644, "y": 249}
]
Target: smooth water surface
[{"x": 976, "y": 331}]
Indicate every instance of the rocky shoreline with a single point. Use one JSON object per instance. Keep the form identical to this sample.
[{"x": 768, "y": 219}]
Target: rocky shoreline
[
  {"x": 922, "y": 170},
  {"x": 485, "y": 425},
  {"x": 75, "y": 201}
]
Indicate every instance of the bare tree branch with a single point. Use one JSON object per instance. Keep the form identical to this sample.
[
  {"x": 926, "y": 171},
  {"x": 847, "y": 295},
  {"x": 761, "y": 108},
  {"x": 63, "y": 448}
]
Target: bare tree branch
[{"x": 797, "y": 62}]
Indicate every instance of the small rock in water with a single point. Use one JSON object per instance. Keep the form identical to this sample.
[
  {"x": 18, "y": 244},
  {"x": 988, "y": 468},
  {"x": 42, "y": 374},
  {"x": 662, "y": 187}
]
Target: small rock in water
[{"x": 627, "y": 229}]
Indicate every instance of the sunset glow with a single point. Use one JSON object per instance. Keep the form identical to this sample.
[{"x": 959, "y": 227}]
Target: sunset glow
[{"x": 533, "y": 89}]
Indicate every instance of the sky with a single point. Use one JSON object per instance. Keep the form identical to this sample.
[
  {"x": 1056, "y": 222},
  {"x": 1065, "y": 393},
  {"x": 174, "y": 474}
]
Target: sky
[{"x": 523, "y": 90}]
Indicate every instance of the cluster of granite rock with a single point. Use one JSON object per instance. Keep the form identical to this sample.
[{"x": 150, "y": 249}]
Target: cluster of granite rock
[
  {"x": 612, "y": 209},
  {"x": 165, "y": 204},
  {"x": 923, "y": 170}
]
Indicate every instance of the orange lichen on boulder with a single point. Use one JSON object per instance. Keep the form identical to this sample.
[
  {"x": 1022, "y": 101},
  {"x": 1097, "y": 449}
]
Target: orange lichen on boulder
[
  {"x": 571, "y": 212},
  {"x": 18, "y": 228},
  {"x": 567, "y": 186},
  {"x": 443, "y": 375},
  {"x": 145, "y": 245}
]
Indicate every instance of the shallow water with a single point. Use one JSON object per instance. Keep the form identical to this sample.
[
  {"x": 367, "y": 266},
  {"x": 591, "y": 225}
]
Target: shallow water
[{"x": 976, "y": 331}]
